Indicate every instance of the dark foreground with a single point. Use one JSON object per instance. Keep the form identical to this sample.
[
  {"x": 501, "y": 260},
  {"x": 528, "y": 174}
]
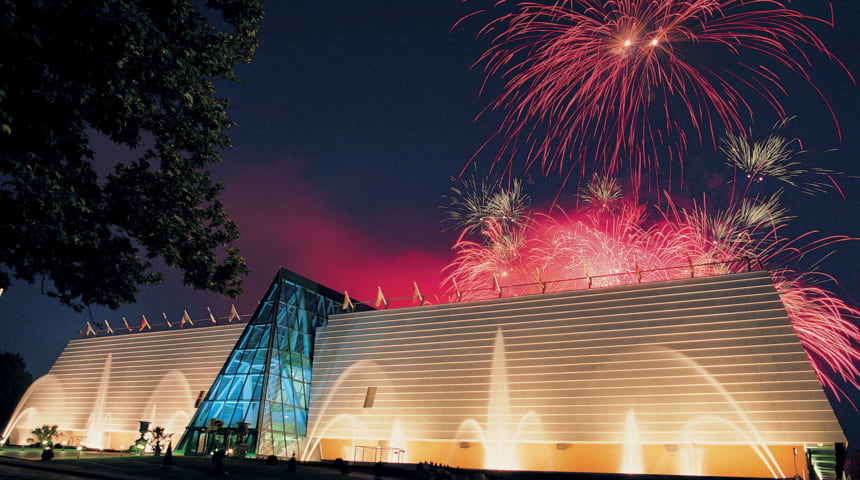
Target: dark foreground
[{"x": 150, "y": 468}]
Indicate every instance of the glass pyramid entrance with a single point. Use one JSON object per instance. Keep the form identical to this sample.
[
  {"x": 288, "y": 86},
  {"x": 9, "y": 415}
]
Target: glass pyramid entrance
[{"x": 258, "y": 404}]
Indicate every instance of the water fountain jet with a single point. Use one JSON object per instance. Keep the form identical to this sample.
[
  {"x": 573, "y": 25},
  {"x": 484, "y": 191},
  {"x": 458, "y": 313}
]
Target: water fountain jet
[
  {"x": 96, "y": 422},
  {"x": 631, "y": 461}
]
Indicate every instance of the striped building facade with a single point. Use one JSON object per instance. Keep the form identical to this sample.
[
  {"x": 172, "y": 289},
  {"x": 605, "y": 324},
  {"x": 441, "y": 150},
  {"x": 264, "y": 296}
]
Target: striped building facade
[
  {"x": 99, "y": 389},
  {"x": 694, "y": 377}
]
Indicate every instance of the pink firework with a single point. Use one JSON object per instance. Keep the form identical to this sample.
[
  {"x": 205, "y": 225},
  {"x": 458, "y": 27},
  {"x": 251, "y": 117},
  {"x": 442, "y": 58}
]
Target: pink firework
[
  {"x": 622, "y": 244},
  {"x": 612, "y": 85},
  {"x": 501, "y": 256}
]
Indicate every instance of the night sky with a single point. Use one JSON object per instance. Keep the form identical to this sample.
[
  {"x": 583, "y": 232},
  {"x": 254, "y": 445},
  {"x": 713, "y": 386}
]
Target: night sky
[{"x": 352, "y": 119}]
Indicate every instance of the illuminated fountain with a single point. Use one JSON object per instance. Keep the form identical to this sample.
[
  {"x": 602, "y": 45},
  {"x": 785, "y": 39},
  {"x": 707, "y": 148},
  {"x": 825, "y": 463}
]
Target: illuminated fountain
[
  {"x": 355, "y": 425},
  {"x": 397, "y": 440},
  {"x": 173, "y": 396},
  {"x": 95, "y": 431},
  {"x": 497, "y": 437},
  {"x": 688, "y": 454},
  {"x": 499, "y": 440},
  {"x": 632, "y": 457},
  {"x": 749, "y": 433},
  {"x": 499, "y": 447},
  {"x": 675, "y": 439},
  {"x": 24, "y": 417}
]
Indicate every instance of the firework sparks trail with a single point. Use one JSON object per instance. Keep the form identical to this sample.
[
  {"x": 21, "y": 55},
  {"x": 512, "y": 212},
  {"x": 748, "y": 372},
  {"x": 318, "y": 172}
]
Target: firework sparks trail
[
  {"x": 614, "y": 84},
  {"x": 827, "y": 329}
]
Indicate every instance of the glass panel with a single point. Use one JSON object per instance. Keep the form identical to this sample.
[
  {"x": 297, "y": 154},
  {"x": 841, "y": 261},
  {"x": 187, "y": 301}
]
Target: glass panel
[
  {"x": 232, "y": 364},
  {"x": 203, "y": 415},
  {"x": 239, "y": 410},
  {"x": 251, "y": 414},
  {"x": 289, "y": 420},
  {"x": 245, "y": 358},
  {"x": 249, "y": 385},
  {"x": 294, "y": 339},
  {"x": 221, "y": 392},
  {"x": 215, "y": 386},
  {"x": 286, "y": 364},
  {"x": 226, "y": 414},
  {"x": 258, "y": 388},
  {"x": 300, "y": 396},
  {"x": 301, "y": 421},
  {"x": 259, "y": 362},
  {"x": 296, "y": 362},
  {"x": 279, "y": 446},
  {"x": 236, "y": 387},
  {"x": 274, "y": 393},
  {"x": 215, "y": 412},
  {"x": 254, "y": 337},
  {"x": 287, "y": 392}
]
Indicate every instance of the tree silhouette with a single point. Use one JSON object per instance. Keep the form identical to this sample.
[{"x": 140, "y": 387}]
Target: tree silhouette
[
  {"x": 142, "y": 75},
  {"x": 16, "y": 379},
  {"x": 44, "y": 434}
]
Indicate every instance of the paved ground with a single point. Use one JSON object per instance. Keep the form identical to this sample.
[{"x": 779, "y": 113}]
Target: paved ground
[
  {"x": 16, "y": 472},
  {"x": 26, "y": 465}
]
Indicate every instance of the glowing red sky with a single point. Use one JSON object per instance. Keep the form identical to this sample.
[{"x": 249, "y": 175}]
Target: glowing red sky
[{"x": 288, "y": 221}]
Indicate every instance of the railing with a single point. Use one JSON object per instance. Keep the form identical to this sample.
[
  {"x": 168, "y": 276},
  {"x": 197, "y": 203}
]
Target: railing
[
  {"x": 587, "y": 282},
  {"x": 363, "y": 453},
  {"x": 105, "y": 328}
]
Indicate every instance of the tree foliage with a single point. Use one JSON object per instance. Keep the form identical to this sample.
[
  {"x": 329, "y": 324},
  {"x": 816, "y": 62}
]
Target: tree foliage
[
  {"x": 45, "y": 433},
  {"x": 142, "y": 74}
]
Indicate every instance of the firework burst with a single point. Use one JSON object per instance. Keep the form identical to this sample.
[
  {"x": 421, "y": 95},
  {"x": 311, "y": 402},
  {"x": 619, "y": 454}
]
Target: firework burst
[
  {"x": 498, "y": 216},
  {"x": 633, "y": 243},
  {"x": 775, "y": 157},
  {"x": 602, "y": 191},
  {"x": 613, "y": 85},
  {"x": 476, "y": 205}
]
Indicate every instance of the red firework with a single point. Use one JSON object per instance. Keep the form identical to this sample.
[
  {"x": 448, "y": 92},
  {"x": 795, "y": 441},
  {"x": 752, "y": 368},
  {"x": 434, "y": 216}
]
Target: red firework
[
  {"x": 827, "y": 328},
  {"x": 616, "y": 84}
]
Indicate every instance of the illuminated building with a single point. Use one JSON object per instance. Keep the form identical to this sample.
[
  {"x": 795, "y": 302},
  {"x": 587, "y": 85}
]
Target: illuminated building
[{"x": 703, "y": 376}]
